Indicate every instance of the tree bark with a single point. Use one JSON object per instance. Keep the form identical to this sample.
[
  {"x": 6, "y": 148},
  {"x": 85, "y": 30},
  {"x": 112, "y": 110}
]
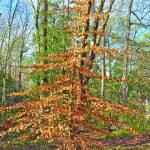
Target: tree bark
[
  {"x": 44, "y": 36},
  {"x": 103, "y": 83},
  {"x": 95, "y": 27},
  {"x": 126, "y": 46},
  {"x": 84, "y": 41}
]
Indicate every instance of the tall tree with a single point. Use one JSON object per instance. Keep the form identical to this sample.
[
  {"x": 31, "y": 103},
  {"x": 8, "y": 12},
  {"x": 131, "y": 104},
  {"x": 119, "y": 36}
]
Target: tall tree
[
  {"x": 26, "y": 30},
  {"x": 36, "y": 6},
  {"x": 126, "y": 61},
  {"x": 11, "y": 16},
  {"x": 103, "y": 83},
  {"x": 14, "y": 40},
  {"x": 44, "y": 35},
  {"x": 59, "y": 115}
]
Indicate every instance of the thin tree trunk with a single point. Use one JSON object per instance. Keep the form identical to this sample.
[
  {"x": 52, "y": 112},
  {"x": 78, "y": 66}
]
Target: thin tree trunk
[
  {"x": 126, "y": 45},
  {"x": 36, "y": 21},
  {"x": 103, "y": 86},
  {"x": 36, "y": 24},
  {"x": 37, "y": 32},
  {"x": 4, "y": 87},
  {"x": 44, "y": 36},
  {"x": 9, "y": 47},
  {"x": 95, "y": 27},
  {"x": 20, "y": 72}
]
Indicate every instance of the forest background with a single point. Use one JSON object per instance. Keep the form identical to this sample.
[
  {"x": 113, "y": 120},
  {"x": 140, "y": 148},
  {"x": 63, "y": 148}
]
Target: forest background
[{"x": 31, "y": 30}]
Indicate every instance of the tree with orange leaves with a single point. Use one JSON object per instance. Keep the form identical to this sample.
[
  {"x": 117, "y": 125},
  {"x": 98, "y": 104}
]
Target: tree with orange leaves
[{"x": 61, "y": 114}]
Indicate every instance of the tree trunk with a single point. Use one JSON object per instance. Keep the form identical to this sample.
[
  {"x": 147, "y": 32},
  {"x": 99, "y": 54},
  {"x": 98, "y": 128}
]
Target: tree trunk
[
  {"x": 44, "y": 36},
  {"x": 126, "y": 45},
  {"x": 20, "y": 72},
  {"x": 95, "y": 27},
  {"x": 11, "y": 17},
  {"x": 103, "y": 86},
  {"x": 4, "y": 86},
  {"x": 84, "y": 43},
  {"x": 36, "y": 24}
]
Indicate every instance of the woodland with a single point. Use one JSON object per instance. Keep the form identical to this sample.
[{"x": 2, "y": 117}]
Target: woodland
[{"x": 74, "y": 74}]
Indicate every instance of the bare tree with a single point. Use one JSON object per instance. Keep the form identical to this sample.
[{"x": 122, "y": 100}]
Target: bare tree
[
  {"x": 11, "y": 16},
  {"x": 25, "y": 36},
  {"x": 14, "y": 38},
  {"x": 36, "y": 6}
]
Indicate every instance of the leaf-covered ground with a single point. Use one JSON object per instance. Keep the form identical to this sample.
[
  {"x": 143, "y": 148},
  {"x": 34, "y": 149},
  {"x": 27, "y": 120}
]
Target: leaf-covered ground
[{"x": 138, "y": 142}]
